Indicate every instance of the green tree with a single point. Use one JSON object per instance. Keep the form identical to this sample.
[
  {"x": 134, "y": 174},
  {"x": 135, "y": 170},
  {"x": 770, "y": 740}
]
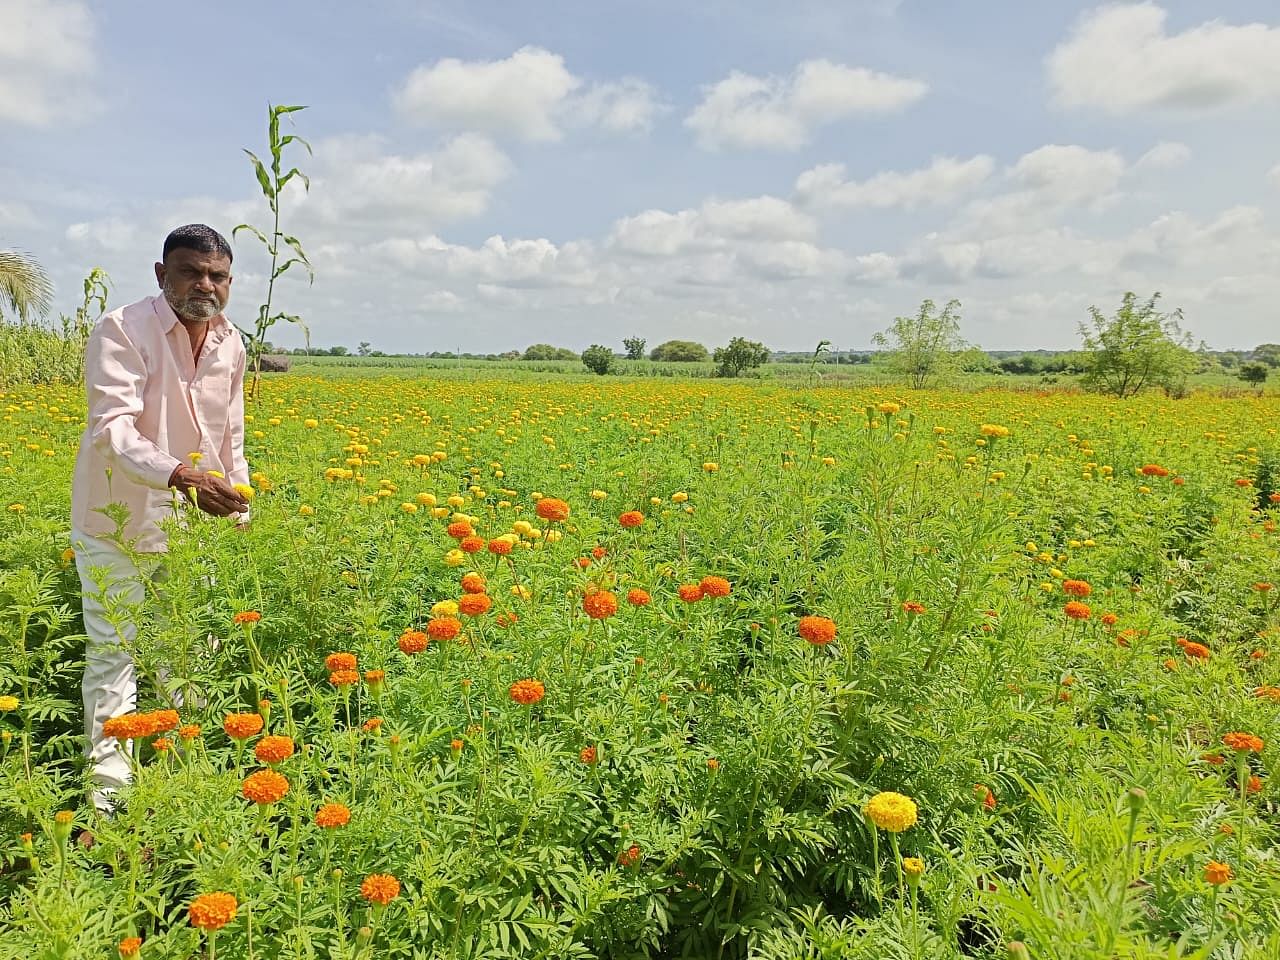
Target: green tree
[
  {"x": 634, "y": 347},
  {"x": 363, "y": 348},
  {"x": 1135, "y": 348},
  {"x": 740, "y": 354},
  {"x": 25, "y": 289},
  {"x": 539, "y": 351},
  {"x": 1254, "y": 373},
  {"x": 680, "y": 351},
  {"x": 925, "y": 347},
  {"x": 598, "y": 359},
  {"x": 1268, "y": 353}
]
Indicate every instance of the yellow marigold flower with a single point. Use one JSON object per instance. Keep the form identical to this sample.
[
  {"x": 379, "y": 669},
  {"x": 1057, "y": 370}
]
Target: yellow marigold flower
[
  {"x": 993, "y": 430},
  {"x": 8, "y": 703},
  {"x": 710, "y": 467},
  {"x": 444, "y": 608},
  {"x": 455, "y": 558},
  {"x": 912, "y": 867},
  {"x": 891, "y": 811},
  {"x": 679, "y": 497}
]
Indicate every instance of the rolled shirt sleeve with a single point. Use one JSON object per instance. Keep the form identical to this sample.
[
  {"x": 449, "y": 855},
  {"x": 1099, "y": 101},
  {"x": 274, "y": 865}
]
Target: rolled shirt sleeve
[{"x": 115, "y": 402}]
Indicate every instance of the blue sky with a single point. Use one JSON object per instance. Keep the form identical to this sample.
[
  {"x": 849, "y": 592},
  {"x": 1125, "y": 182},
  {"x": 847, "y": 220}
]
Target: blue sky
[{"x": 487, "y": 175}]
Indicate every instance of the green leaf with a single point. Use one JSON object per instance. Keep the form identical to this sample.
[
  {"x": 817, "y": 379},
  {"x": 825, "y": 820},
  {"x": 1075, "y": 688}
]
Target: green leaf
[{"x": 264, "y": 178}]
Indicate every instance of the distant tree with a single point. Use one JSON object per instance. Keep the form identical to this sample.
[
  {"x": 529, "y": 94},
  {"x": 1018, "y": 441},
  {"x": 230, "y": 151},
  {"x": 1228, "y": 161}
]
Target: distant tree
[
  {"x": 338, "y": 351},
  {"x": 634, "y": 347},
  {"x": 925, "y": 347},
  {"x": 1137, "y": 347},
  {"x": 564, "y": 353},
  {"x": 598, "y": 359},
  {"x": 363, "y": 349},
  {"x": 1254, "y": 373},
  {"x": 539, "y": 351},
  {"x": 1268, "y": 353},
  {"x": 25, "y": 289},
  {"x": 679, "y": 351},
  {"x": 740, "y": 354}
]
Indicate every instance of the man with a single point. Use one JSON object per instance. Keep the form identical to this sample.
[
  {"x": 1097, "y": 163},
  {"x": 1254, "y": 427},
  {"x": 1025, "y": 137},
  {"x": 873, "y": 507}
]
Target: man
[{"x": 165, "y": 383}]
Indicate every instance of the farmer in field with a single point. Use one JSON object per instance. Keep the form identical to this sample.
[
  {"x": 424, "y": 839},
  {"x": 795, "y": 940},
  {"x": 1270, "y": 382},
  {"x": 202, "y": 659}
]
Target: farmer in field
[{"x": 165, "y": 379}]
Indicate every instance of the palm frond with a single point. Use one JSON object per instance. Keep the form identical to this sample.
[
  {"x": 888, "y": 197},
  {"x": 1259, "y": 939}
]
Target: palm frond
[{"x": 25, "y": 289}]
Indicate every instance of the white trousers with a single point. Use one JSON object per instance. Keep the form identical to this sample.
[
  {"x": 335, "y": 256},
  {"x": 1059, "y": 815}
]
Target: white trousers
[{"x": 110, "y": 684}]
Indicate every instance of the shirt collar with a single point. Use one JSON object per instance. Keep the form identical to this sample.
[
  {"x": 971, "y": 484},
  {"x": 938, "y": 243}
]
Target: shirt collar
[{"x": 219, "y": 325}]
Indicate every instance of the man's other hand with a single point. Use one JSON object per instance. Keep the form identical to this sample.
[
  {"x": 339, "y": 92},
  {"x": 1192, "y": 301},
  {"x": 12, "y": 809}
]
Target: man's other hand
[{"x": 211, "y": 494}]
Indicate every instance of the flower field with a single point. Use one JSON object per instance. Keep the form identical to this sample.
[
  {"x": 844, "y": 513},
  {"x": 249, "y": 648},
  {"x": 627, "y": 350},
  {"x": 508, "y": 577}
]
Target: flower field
[{"x": 568, "y": 669}]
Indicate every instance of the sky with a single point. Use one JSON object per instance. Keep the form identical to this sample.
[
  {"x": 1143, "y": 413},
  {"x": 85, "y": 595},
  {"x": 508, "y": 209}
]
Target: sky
[{"x": 487, "y": 175}]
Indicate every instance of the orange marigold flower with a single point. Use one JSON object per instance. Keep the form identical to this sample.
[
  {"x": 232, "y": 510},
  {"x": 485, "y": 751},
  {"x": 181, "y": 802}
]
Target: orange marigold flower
[
  {"x": 161, "y": 744},
  {"x": 549, "y": 508},
  {"x": 372, "y": 725},
  {"x": 600, "y": 605},
  {"x": 630, "y": 856},
  {"x": 818, "y": 631},
  {"x": 161, "y": 720},
  {"x": 1267, "y": 693},
  {"x": 1076, "y": 588},
  {"x": 713, "y": 764},
  {"x": 1154, "y": 470},
  {"x": 443, "y": 628},
  {"x": 121, "y": 728},
  {"x": 264, "y": 787},
  {"x": 1262, "y": 587},
  {"x": 380, "y": 888},
  {"x": 1217, "y": 873},
  {"x": 1076, "y": 610},
  {"x": 212, "y": 911},
  {"x": 473, "y": 583},
  {"x": 637, "y": 597},
  {"x": 242, "y": 726},
  {"x": 913, "y": 606},
  {"x": 344, "y": 678},
  {"x": 459, "y": 529},
  {"x": 587, "y": 755},
  {"x": 340, "y": 661},
  {"x": 1197, "y": 651},
  {"x": 689, "y": 592},
  {"x": 982, "y": 793},
  {"x": 471, "y": 544},
  {"x": 1170, "y": 663},
  {"x": 130, "y": 946},
  {"x": 527, "y": 692},
  {"x": 583, "y": 562},
  {"x": 500, "y": 547},
  {"x": 715, "y": 586},
  {"x": 1109, "y": 619},
  {"x": 375, "y": 677},
  {"x": 274, "y": 749},
  {"x": 246, "y": 616},
  {"x": 1243, "y": 482},
  {"x": 1254, "y": 784},
  {"x": 506, "y": 619},
  {"x": 1213, "y": 759},
  {"x": 189, "y": 731},
  {"x": 1243, "y": 742},
  {"x": 1257, "y": 654},
  {"x": 413, "y": 641},
  {"x": 631, "y": 519},
  {"x": 333, "y": 815},
  {"x": 474, "y": 604}
]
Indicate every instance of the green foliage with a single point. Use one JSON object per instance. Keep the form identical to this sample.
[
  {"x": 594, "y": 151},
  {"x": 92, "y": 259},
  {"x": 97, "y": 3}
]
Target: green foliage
[
  {"x": 598, "y": 359},
  {"x": 545, "y": 351},
  {"x": 634, "y": 347},
  {"x": 25, "y": 289},
  {"x": 738, "y": 356},
  {"x": 1254, "y": 373},
  {"x": 1268, "y": 353},
  {"x": 285, "y": 250},
  {"x": 43, "y": 353},
  {"x": 680, "y": 351},
  {"x": 926, "y": 348},
  {"x": 1136, "y": 348}
]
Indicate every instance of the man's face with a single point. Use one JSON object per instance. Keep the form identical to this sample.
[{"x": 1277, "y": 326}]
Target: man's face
[{"x": 197, "y": 285}]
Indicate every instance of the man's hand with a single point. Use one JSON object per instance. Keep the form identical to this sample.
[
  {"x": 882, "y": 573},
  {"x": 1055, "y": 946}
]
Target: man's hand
[{"x": 211, "y": 494}]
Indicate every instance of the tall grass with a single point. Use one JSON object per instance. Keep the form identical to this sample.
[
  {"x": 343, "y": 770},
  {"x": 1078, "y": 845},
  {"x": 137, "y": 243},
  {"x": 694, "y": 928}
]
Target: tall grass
[{"x": 42, "y": 353}]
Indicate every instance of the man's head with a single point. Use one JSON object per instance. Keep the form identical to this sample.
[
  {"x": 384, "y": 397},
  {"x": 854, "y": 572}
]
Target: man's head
[{"x": 195, "y": 271}]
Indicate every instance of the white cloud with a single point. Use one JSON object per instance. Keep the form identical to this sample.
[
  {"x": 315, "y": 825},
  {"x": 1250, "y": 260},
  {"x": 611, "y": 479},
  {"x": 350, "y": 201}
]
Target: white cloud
[
  {"x": 657, "y": 233},
  {"x": 46, "y": 58},
  {"x": 945, "y": 179},
  {"x": 1121, "y": 59},
  {"x": 775, "y": 112},
  {"x": 1163, "y": 156},
  {"x": 629, "y": 105}
]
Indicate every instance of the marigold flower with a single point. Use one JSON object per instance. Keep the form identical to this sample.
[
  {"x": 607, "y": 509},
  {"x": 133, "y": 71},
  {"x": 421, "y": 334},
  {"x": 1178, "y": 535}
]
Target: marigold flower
[
  {"x": 474, "y": 604},
  {"x": 549, "y": 508},
  {"x": 1267, "y": 693},
  {"x": 982, "y": 793},
  {"x": 459, "y": 529},
  {"x": 372, "y": 725},
  {"x": 161, "y": 720},
  {"x": 333, "y": 815},
  {"x": 1154, "y": 470},
  {"x": 1213, "y": 759},
  {"x": 471, "y": 544},
  {"x": 713, "y": 586},
  {"x": 500, "y": 547},
  {"x": 1075, "y": 610},
  {"x": 1243, "y": 742},
  {"x": 1253, "y": 784},
  {"x": 527, "y": 692},
  {"x": 912, "y": 867},
  {"x": 1109, "y": 619},
  {"x": 212, "y": 911},
  {"x": 913, "y": 606},
  {"x": 993, "y": 430},
  {"x": 1262, "y": 587},
  {"x": 891, "y": 811},
  {"x": 273, "y": 749},
  {"x": 637, "y": 597},
  {"x": 631, "y": 519},
  {"x": 689, "y": 592},
  {"x": 241, "y": 726},
  {"x": 587, "y": 755},
  {"x": 600, "y": 605},
  {"x": 264, "y": 787},
  {"x": 130, "y": 946},
  {"x": 246, "y": 616},
  {"x": 188, "y": 732},
  {"x": 380, "y": 888},
  {"x": 630, "y": 856},
  {"x": 1197, "y": 651},
  {"x": 340, "y": 661},
  {"x": 818, "y": 631},
  {"x": 1217, "y": 873},
  {"x": 161, "y": 744},
  {"x": 375, "y": 677},
  {"x": 713, "y": 764},
  {"x": 8, "y": 703},
  {"x": 344, "y": 678},
  {"x": 473, "y": 583},
  {"x": 1076, "y": 588}
]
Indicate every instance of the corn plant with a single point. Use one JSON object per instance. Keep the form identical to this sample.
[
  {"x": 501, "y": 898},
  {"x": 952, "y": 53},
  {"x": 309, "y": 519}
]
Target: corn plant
[{"x": 285, "y": 250}]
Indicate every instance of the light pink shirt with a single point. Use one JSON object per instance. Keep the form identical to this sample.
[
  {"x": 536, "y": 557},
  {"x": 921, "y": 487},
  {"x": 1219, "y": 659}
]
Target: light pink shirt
[{"x": 150, "y": 407}]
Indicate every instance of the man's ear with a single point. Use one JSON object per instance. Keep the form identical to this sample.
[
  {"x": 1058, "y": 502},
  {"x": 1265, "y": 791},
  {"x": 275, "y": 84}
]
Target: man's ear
[{"x": 160, "y": 274}]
